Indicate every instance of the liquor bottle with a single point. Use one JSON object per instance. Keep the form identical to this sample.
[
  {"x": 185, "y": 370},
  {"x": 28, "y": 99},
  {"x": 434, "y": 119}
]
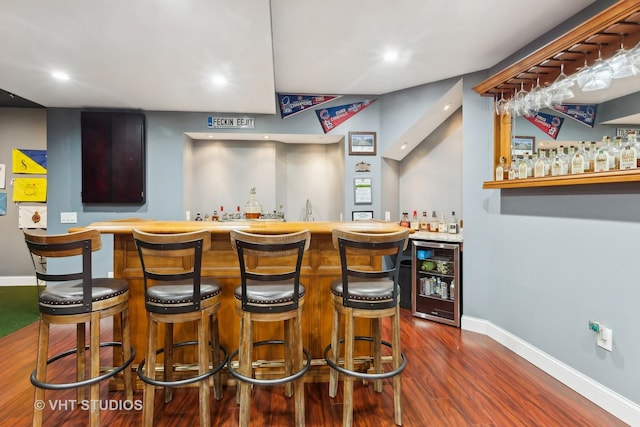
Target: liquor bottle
[
  {"x": 539, "y": 166},
  {"x": 522, "y": 168},
  {"x": 614, "y": 154},
  {"x": 513, "y": 170},
  {"x": 453, "y": 224},
  {"x": 215, "y": 216},
  {"x": 500, "y": 169},
  {"x": 566, "y": 160},
  {"x": 423, "y": 225},
  {"x": 601, "y": 161},
  {"x": 556, "y": 166},
  {"x": 635, "y": 142},
  {"x": 577, "y": 163},
  {"x": 530, "y": 160},
  {"x": 452, "y": 288},
  {"x": 442, "y": 225},
  {"x": 628, "y": 157},
  {"x": 414, "y": 221},
  {"x": 404, "y": 222},
  {"x": 433, "y": 224},
  {"x": 593, "y": 150},
  {"x": 252, "y": 209},
  {"x": 198, "y": 217}
]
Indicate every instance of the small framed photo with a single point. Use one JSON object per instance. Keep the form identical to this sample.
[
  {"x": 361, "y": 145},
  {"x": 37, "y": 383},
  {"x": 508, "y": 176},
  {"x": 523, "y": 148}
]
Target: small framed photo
[
  {"x": 521, "y": 145},
  {"x": 362, "y": 191},
  {"x": 361, "y": 215},
  {"x": 362, "y": 143}
]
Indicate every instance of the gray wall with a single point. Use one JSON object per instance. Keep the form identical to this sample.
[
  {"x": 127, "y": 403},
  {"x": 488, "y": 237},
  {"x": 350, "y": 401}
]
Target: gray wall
[{"x": 25, "y": 129}]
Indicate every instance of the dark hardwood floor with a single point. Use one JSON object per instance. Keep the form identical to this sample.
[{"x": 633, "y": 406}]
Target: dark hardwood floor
[{"x": 453, "y": 378}]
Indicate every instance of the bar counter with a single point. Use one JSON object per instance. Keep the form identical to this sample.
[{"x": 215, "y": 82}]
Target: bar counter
[{"x": 321, "y": 265}]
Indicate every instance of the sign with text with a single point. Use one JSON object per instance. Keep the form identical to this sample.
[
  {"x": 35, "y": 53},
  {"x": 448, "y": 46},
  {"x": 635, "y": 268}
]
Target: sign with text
[
  {"x": 583, "y": 113},
  {"x": 332, "y": 117},
  {"x": 291, "y": 104},
  {"x": 214, "y": 122},
  {"x": 548, "y": 123}
]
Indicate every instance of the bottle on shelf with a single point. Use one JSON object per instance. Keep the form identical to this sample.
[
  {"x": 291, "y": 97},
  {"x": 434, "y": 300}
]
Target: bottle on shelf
[
  {"x": 522, "y": 168},
  {"x": 453, "y": 224},
  {"x": 423, "y": 224},
  {"x": 601, "y": 161},
  {"x": 500, "y": 169},
  {"x": 404, "y": 221},
  {"x": 613, "y": 152},
  {"x": 557, "y": 166},
  {"x": 539, "y": 166},
  {"x": 628, "y": 157},
  {"x": 414, "y": 221},
  {"x": 562, "y": 154},
  {"x": 452, "y": 290},
  {"x": 442, "y": 224},
  {"x": 444, "y": 290},
  {"x": 433, "y": 224},
  {"x": 215, "y": 216},
  {"x": 513, "y": 170},
  {"x": 577, "y": 162},
  {"x": 635, "y": 141}
]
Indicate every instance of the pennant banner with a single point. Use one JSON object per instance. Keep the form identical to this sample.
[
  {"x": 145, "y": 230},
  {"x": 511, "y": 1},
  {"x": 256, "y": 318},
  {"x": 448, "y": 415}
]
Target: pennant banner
[
  {"x": 583, "y": 113},
  {"x": 330, "y": 118},
  {"x": 32, "y": 216},
  {"x": 548, "y": 123},
  {"x": 291, "y": 104},
  {"x": 30, "y": 161},
  {"x": 30, "y": 190}
]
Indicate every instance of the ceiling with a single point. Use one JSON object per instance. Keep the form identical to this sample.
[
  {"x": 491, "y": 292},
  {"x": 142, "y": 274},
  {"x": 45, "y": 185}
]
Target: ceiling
[{"x": 162, "y": 54}]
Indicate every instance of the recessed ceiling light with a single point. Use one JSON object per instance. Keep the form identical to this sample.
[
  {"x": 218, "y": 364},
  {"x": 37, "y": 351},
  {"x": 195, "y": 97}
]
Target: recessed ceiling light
[
  {"x": 446, "y": 107},
  {"x": 403, "y": 146},
  {"x": 266, "y": 137},
  {"x": 60, "y": 75},
  {"x": 391, "y": 56},
  {"x": 219, "y": 80}
]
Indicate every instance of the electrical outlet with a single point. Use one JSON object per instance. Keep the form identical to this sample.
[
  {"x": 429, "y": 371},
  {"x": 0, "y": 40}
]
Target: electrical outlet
[
  {"x": 68, "y": 217},
  {"x": 605, "y": 338}
]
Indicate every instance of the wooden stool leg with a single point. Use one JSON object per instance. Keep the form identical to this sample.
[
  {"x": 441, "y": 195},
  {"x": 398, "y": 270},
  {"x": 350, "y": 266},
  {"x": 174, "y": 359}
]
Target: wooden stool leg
[
  {"x": 244, "y": 359},
  {"x": 215, "y": 355},
  {"x": 41, "y": 372},
  {"x": 150, "y": 371},
  {"x": 168, "y": 360},
  {"x": 288, "y": 355},
  {"x": 397, "y": 359},
  {"x": 335, "y": 352},
  {"x": 203, "y": 367},
  {"x": 377, "y": 357},
  {"x": 94, "y": 348},
  {"x": 126, "y": 353},
  {"x": 297, "y": 359},
  {"x": 347, "y": 411},
  {"x": 81, "y": 392}
]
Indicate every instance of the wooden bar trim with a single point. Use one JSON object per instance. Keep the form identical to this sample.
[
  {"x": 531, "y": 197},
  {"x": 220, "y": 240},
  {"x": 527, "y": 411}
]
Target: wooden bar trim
[{"x": 632, "y": 175}]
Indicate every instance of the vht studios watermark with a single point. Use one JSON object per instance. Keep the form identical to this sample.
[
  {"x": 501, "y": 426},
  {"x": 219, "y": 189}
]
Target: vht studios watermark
[{"x": 85, "y": 405}]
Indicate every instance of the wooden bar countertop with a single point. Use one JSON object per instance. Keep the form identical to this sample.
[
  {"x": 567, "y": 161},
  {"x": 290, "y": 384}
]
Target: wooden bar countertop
[{"x": 321, "y": 265}]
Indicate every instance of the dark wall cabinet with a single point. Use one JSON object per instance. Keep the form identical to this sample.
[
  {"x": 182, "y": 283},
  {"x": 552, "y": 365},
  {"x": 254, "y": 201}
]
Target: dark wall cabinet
[{"x": 113, "y": 157}]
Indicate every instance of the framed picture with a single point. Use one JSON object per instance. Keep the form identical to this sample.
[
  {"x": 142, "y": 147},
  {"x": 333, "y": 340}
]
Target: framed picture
[
  {"x": 521, "y": 145},
  {"x": 361, "y": 215},
  {"x": 362, "y": 143},
  {"x": 362, "y": 191}
]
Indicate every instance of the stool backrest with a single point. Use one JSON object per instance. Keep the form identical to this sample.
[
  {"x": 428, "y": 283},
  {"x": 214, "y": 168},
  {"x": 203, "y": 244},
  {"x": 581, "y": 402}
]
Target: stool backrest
[
  {"x": 175, "y": 257},
  {"x": 78, "y": 244},
  {"x": 251, "y": 247},
  {"x": 353, "y": 245}
]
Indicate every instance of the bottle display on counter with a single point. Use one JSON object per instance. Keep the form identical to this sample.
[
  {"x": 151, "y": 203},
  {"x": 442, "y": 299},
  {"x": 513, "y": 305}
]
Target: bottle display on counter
[
  {"x": 215, "y": 216},
  {"x": 433, "y": 224},
  {"x": 198, "y": 217},
  {"x": 453, "y": 224},
  {"x": 414, "y": 221},
  {"x": 423, "y": 224},
  {"x": 404, "y": 222}
]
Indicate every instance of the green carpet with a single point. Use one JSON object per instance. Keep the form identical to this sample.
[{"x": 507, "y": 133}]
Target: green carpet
[{"x": 18, "y": 308}]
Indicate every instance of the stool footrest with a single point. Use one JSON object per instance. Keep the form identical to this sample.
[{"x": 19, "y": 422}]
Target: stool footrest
[
  {"x": 363, "y": 375},
  {"x": 185, "y": 381},
  {"x": 234, "y": 373},
  {"x": 77, "y": 384}
]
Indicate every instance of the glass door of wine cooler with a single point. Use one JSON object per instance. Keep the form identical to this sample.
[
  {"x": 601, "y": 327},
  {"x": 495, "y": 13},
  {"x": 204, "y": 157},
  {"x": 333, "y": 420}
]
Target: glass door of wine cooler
[{"x": 436, "y": 281}]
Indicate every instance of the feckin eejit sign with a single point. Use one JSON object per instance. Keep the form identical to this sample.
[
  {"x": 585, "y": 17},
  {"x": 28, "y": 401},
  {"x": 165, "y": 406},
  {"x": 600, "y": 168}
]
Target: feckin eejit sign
[{"x": 214, "y": 122}]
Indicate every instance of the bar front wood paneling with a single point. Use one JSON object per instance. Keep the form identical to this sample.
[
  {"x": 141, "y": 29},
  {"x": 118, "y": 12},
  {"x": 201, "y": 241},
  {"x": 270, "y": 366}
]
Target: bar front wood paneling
[{"x": 321, "y": 265}]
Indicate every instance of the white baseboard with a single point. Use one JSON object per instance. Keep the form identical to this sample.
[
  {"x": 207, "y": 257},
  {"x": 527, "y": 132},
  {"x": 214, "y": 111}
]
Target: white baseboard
[
  {"x": 17, "y": 280},
  {"x": 612, "y": 402}
]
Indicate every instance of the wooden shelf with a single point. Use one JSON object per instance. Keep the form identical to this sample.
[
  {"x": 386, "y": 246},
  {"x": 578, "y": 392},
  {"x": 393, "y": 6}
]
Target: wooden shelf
[{"x": 632, "y": 175}]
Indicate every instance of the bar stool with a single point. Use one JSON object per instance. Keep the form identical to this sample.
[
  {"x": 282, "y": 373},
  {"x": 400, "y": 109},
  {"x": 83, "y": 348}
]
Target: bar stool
[
  {"x": 175, "y": 293},
  {"x": 370, "y": 294},
  {"x": 75, "y": 297},
  {"x": 268, "y": 295}
]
